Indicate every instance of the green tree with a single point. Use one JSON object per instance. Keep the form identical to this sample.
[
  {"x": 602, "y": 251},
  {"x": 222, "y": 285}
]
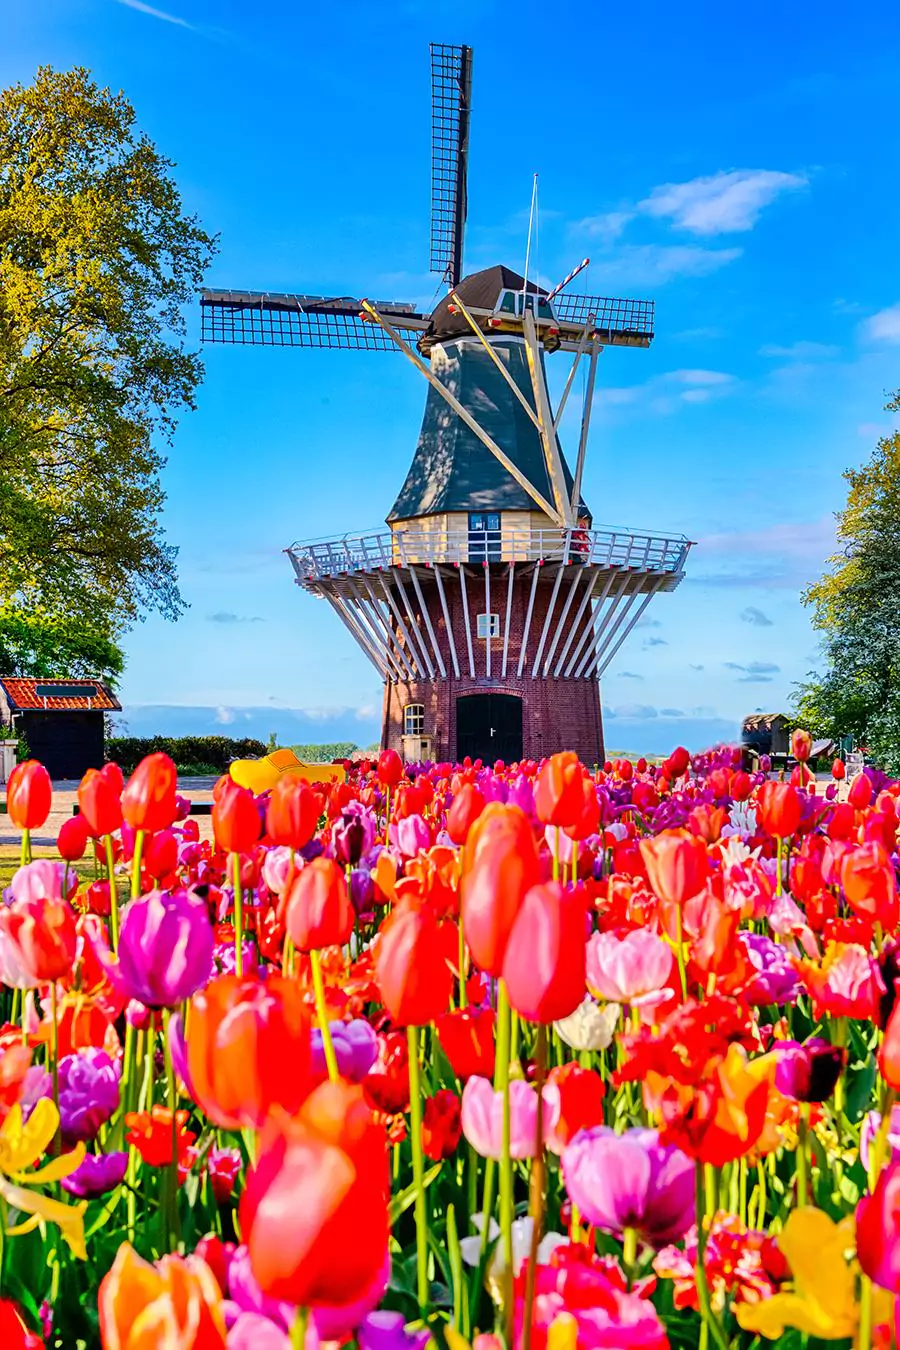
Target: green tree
[
  {"x": 97, "y": 259},
  {"x": 43, "y": 646},
  {"x": 855, "y": 609}
]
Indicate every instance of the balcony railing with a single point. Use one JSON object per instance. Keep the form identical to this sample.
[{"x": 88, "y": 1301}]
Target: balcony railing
[{"x": 320, "y": 559}]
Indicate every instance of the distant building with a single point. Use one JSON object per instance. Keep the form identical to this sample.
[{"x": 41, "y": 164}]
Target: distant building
[
  {"x": 61, "y": 720},
  {"x": 766, "y": 734}
]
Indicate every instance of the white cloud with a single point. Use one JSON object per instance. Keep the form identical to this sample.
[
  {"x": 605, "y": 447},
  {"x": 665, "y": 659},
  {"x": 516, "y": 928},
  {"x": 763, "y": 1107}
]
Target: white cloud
[
  {"x": 655, "y": 264},
  {"x": 801, "y": 351},
  {"x": 704, "y": 377},
  {"x": 721, "y": 203},
  {"x": 225, "y": 716},
  {"x": 155, "y": 13},
  {"x": 607, "y": 226},
  {"x": 883, "y": 326}
]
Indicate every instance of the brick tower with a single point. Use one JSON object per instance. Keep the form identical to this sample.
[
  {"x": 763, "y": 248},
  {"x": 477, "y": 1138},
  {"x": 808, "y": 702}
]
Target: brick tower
[{"x": 490, "y": 606}]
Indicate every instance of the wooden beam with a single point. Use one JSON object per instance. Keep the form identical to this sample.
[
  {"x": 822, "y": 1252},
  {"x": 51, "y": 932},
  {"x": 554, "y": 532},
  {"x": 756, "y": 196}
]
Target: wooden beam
[
  {"x": 585, "y": 424},
  {"x": 450, "y": 638},
  {"x": 527, "y": 629},
  {"x": 552, "y": 455},
  {"x": 427, "y": 617},
  {"x": 412, "y": 655},
  {"x": 486, "y": 440},
  {"x": 420, "y": 641},
  {"x": 571, "y": 376},
  {"x": 604, "y": 660},
  {"x": 496, "y": 360},
  {"x": 509, "y": 599},
  {"x": 465, "y": 605}
]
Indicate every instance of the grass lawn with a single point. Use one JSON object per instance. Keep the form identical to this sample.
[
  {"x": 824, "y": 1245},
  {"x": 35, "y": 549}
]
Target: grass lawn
[{"x": 9, "y": 862}]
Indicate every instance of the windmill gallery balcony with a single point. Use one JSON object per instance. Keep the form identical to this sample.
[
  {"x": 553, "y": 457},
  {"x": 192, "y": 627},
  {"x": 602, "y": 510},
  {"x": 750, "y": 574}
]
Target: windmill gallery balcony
[{"x": 442, "y": 603}]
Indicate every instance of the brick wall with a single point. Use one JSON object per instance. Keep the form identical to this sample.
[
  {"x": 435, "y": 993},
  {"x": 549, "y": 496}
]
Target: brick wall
[{"x": 557, "y": 714}]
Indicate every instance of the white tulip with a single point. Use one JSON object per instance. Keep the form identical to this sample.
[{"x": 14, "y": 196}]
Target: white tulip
[{"x": 591, "y": 1026}]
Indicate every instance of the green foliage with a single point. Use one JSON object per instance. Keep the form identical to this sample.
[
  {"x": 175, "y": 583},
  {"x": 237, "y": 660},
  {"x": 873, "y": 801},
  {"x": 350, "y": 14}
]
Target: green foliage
[
  {"x": 192, "y": 754},
  {"x": 855, "y": 609},
  {"x": 325, "y": 753},
  {"x": 97, "y": 257},
  {"x": 45, "y": 646}
]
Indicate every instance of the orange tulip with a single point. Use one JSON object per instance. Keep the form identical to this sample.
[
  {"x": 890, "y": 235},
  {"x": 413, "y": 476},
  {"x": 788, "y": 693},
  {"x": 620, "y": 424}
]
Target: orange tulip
[
  {"x": 677, "y": 865},
  {"x": 293, "y": 813},
  {"x": 29, "y": 795},
  {"x": 413, "y": 965},
  {"x": 42, "y": 936},
  {"x": 249, "y": 1050},
  {"x": 317, "y": 909},
  {"x": 779, "y": 808},
  {"x": 314, "y": 1212},
  {"x": 175, "y": 1303},
  {"x": 558, "y": 795},
  {"x": 235, "y": 819},
  {"x": 148, "y": 801},
  {"x": 465, "y": 809},
  {"x": 100, "y": 799},
  {"x": 500, "y": 864}
]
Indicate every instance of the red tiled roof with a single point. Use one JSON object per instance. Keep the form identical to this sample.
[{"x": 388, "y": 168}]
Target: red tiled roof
[{"x": 28, "y": 694}]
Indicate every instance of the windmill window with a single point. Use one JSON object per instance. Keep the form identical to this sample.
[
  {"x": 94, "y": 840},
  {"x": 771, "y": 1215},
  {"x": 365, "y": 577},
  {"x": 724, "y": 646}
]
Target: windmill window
[
  {"x": 414, "y": 719},
  {"x": 484, "y": 536},
  {"x": 488, "y": 625}
]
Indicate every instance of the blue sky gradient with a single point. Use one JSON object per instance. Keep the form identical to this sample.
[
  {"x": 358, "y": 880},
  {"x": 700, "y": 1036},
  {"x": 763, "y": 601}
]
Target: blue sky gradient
[{"x": 740, "y": 168}]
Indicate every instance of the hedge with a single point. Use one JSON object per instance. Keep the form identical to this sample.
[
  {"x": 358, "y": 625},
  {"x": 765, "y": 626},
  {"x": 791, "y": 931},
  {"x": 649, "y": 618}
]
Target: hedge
[{"x": 197, "y": 753}]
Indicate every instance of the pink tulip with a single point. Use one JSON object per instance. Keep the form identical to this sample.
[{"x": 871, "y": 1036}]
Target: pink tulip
[
  {"x": 482, "y": 1117},
  {"x": 632, "y": 969}
]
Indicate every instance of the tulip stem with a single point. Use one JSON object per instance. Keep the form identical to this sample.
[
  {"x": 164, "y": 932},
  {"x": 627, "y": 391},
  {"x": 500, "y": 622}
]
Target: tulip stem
[
  {"x": 26, "y": 847},
  {"x": 322, "y": 1014},
  {"x": 415, "y": 1131},
  {"x": 801, "y": 1156},
  {"x": 706, "y": 1312},
  {"x": 136, "y": 864},
  {"x": 506, "y": 1192},
  {"x": 298, "y": 1330},
  {"x": 238, "y": 916},
  {"x": 538, "y": 1184},
  {"x": 54, "y": 1059},
  {"x": 463, "y": 1000},
  {"x": 864, "y": 1337},
  {"x": 679, "y": 950},
  {"x": 172, "y": 1196},
  {"x": 113, "y": 895}
]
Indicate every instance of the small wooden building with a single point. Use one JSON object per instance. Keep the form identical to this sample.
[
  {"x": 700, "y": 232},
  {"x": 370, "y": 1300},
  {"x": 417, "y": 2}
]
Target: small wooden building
[
  {"x": 61, "y": 720},
  {"x": 766, "y": 734}
]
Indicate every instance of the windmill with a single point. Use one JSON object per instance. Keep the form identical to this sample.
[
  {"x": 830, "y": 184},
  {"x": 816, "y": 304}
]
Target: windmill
[{"x": 490, "y": 606}]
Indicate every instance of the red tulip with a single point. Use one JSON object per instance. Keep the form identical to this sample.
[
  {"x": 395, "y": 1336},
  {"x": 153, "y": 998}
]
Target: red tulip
[
  {"x": 29, "y": 795},
  {"x": 581, "y": 1093},
  {"x": 838, "y": 770},
  {"x": 160, "y": 856},
  {"x": 293, "y": 813},
  {"x": 465, "y": 809},
  {"x": 544, "y": 962},
  {"x": 42, "y": 935},
  {"x": 100, "y": 799},
  {"x": 72, "y": 840},
  {"x": 390, "y": 768},
  {"x": 318, "y": 909},
  {"x": 148, "y": 802},
  {"x": 677, "y": 864},
  {"x": 441, "y": 1125},
  {"x": 500, "y": 863},
  {"x": 780, "y": 808},
  {"x": 860, "y": 794},
  {"x": 14, "y": 1335},
  {"x": 235, "y": 819},
  {"x": 413, "y": 965},
  {"x": 878, "y": 1229},
  {"x": 314, "y": 1211},
  {"x": 467, "y": 1039},
  {"x": 677, "y": 763},
  {"x": 870, "y": 886},
  {"x": 842, "y": 821},
  {"x": 741, "y": 786},
  {"x": 558, "y": 796},
  {"x": 801, "y": 745},
  {"x": 588, "y": 822}
]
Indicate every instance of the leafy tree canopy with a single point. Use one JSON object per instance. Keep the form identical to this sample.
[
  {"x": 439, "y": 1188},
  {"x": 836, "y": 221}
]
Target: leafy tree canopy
[
  {"x": 45, "y": 646},
  {"x": 855, "y": 609},
  {"x": 97, "y": 257}
]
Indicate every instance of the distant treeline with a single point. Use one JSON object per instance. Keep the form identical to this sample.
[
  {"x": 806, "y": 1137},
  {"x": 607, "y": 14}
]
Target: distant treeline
[
  {"x": 192, "y": 754},
  {"x": 324, "y": 754}
]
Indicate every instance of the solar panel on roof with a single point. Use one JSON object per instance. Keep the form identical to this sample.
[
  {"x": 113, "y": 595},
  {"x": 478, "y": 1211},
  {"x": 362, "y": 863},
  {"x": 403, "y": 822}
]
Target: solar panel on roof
[{"x": 66, "y": 690}]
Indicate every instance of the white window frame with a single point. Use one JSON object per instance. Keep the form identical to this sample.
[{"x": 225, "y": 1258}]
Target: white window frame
[
  {"x": 487, "y": 625},
  {"x": 414, "y": 719}
]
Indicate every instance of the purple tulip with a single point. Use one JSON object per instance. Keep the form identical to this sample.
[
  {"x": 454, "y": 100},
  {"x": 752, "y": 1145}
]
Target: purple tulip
[
  {"x": 808, "y": 1072},
  {"x": 252, "y": 1331},
  {"x": 96, "y": 1174},
  {"x": 630, "y": 1180},
  {"x": 411, "y": 835},
  {"x": 362, "y": 890},
  {"x": 386, "y": 1330},
  {"x": 776, "y": 979},
  {"x": 246, "y": 1294},
  {"x": 165, "y": 948},
  {"x": 353, "y": 834},
  {"x": 88, "y": 1093},
  {"x": 355, "y": 1046}
]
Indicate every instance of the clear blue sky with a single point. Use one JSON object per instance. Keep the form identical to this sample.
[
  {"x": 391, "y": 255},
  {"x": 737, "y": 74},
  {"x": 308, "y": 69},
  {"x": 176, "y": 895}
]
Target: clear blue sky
[{"x": 737, "y": 164}]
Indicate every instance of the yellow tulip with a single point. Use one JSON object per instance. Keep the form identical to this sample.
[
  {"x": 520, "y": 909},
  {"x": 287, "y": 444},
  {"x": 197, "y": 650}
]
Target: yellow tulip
[
  {"x": 22, "y": 1143},
  {"x": 823, "y": 1299}
]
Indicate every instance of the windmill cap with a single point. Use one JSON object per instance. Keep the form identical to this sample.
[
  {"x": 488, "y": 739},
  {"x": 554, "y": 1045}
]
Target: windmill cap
[{"x": 481, "y": 290}]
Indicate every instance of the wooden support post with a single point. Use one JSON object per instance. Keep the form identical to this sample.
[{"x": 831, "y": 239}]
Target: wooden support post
[
  {"x": 585, "y": 424},
  {"x": 449, "y": 626},
  {"x": 545, "y": 417}
]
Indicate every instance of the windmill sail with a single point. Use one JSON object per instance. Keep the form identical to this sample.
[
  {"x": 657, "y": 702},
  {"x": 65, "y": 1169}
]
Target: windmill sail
[
  {"x": 451, "y": 98},
  {"x": 270, "y": 319}
]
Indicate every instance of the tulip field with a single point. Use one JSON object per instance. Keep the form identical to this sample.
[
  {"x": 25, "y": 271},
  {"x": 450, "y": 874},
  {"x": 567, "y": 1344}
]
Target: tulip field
[{"x": 516, "y": 1058}]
